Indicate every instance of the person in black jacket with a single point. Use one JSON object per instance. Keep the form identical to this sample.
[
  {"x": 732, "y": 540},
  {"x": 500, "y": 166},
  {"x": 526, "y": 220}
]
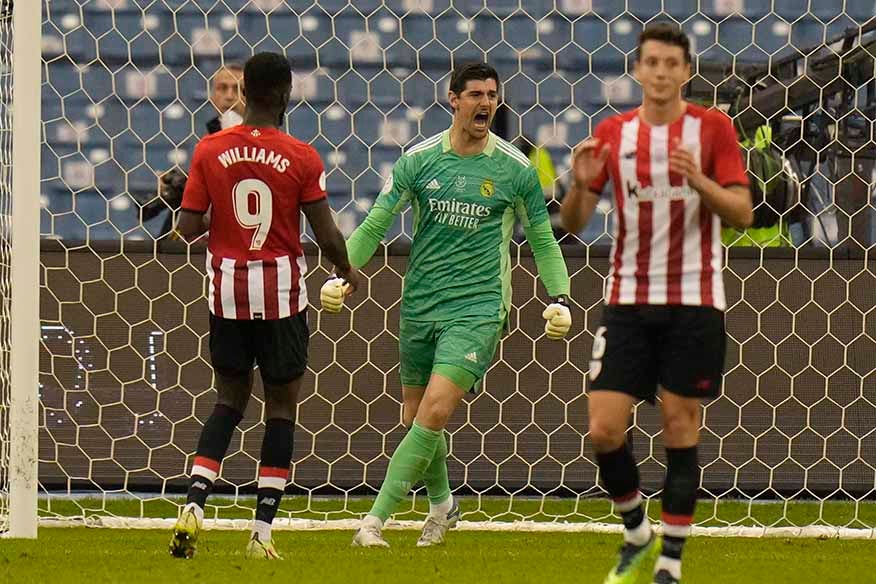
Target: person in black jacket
[{"x": 226, "y": 97}]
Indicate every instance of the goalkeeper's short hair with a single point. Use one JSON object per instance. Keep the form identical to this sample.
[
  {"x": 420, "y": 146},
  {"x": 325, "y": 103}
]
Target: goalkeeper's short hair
[{"x": 472, "y": 71}]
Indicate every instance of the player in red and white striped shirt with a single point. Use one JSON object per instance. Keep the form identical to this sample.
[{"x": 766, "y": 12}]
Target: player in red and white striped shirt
[
  {"x": 255, "y": 180},
  {"x": 677, "y": 173}
]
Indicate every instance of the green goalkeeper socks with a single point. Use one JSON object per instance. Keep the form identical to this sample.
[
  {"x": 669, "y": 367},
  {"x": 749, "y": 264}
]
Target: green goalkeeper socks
[
  {"x": 435, "y": 477},
  {"x": 407, "y": 465}
]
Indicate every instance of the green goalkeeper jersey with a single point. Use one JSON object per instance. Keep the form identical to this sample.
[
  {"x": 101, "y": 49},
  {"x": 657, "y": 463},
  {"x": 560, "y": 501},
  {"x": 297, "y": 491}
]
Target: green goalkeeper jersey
[{"x": 464, "y": 210}]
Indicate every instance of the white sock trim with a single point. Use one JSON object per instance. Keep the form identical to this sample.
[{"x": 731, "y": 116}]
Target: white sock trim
[
  {"x": 639, "y": 535},
  {"x": 671, "y": 565},
  {"x": 441, "y": 509},
  {"x": 372, "y": 520},
  {"x": 628, "y": 505},
  {"x": 263, "y": 530},
  {"x": 199, "y": 511}
]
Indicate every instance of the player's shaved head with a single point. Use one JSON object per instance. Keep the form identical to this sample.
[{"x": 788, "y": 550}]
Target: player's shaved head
[{"x": 267, "y": 81}]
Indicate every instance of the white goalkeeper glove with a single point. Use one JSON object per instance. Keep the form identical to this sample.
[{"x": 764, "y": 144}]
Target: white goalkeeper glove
[
  {"x": 559, "y": 319},
  {"x": 333, "y": 293}
]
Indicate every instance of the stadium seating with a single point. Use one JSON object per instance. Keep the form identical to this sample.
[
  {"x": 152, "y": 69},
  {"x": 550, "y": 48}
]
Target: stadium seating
[{"x": 130, "y": 79}]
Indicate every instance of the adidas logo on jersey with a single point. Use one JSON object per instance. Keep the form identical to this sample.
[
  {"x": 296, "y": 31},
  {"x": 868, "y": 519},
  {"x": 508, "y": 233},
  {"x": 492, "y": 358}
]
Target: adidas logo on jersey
[
  {"x": 473, "y": 357},
  {"x": 433, "y": 185}
]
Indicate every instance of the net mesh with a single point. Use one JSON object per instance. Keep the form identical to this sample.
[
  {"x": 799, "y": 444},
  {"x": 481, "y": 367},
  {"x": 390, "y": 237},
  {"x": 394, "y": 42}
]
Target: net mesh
[
  {"x": 5, "y": 248},
  {"x": 124, "y": 377}
]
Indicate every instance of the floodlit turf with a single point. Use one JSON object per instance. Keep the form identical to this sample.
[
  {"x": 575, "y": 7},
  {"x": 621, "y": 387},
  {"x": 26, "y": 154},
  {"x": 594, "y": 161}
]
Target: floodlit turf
[
  {"x": 129, "y": 556},
  {"x": 97, "y": 556},
  {"x": 799, "y": 513}
]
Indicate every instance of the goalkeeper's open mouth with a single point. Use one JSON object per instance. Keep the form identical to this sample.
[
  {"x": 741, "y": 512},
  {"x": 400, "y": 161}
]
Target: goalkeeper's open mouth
[{"x": 482, "y": 120}]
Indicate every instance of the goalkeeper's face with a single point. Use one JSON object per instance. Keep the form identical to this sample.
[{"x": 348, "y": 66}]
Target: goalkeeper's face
[{"x": 475, "y": 107}]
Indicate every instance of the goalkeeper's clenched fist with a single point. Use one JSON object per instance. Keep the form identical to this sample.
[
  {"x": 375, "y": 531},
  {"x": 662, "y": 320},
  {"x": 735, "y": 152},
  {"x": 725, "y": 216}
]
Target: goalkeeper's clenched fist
[
  {"x": 559, "y": 319},
  {"x": 335, "y": 291}
]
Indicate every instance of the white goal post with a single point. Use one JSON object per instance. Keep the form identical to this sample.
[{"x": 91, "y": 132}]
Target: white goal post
[{"x": 20, "y": 91}]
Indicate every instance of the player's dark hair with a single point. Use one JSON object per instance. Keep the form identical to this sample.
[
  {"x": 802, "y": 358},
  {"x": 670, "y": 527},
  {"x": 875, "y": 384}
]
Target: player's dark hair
[
  {"x": 474, "y": 71},
  {"x": 267, "y": 79},
  {"x": 665, "y": 32}
]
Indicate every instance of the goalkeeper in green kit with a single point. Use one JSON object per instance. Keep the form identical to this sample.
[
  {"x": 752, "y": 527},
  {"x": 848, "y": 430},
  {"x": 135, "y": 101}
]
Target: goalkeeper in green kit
[{"x": 466, "y": 187}]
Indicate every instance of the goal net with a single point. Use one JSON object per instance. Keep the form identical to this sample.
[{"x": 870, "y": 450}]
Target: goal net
[{"x": 124, "y": 380}]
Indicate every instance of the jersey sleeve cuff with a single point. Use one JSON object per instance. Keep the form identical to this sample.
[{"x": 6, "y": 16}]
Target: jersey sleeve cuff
[{"x": 190, "y": 210}]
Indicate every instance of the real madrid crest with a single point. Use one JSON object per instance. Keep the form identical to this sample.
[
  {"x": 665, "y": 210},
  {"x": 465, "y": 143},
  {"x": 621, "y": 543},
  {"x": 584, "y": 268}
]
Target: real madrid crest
[{"x": 488, "y": 189}]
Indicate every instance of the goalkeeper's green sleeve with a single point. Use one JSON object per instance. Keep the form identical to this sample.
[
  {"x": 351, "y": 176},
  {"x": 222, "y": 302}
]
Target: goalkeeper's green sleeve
[
  {"x": 548, "y": 258},
  {"x": 365, "y": 239}
]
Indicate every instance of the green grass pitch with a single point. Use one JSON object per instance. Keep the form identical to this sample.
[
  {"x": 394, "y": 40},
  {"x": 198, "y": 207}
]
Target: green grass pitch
[{"x": 94, "y": 556}]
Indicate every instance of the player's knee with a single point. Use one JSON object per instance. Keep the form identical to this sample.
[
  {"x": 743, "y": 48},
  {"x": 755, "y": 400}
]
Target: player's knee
[
  {"x": 605, "y": 436},
  {"x": 281, "y": 399},
  {"x": 408, "y": 416},
  {"x": 680, "y": 428},
  {"x": 280, "y": 406},
  {"x": 434, "y": 415}
]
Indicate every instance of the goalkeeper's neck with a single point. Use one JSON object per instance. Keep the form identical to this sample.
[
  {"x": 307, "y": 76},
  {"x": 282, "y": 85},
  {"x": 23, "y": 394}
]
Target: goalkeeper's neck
[{"x": 464, "y": 143}]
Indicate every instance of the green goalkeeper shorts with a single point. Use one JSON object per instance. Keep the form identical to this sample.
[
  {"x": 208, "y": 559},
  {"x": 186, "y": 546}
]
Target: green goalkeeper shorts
[{"x": 445, "y": 347}]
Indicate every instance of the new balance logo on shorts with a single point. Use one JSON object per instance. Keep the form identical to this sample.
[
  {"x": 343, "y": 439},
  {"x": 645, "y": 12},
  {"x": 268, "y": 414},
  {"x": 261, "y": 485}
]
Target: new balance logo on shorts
[
  {"x": 473, "y": 357},
  {"x": 433, "y": 185}
]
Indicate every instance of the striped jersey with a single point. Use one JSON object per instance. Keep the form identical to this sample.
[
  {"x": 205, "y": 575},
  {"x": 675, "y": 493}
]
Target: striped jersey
[
  {"x": 667, "y": 244},
  {"x": 254, "y": 181}
]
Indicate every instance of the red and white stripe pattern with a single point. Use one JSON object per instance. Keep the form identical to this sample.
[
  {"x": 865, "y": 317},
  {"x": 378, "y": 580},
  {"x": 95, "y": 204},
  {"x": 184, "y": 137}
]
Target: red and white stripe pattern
[
  {"x": 206, "y": 467},
  {"x": 628, "y": 502},
  {"x": 273, "y": 478},
  {"x": 676, "y": 525},
  {"x": 267, "y": 289},
  {"x": 667, "y": 247}
]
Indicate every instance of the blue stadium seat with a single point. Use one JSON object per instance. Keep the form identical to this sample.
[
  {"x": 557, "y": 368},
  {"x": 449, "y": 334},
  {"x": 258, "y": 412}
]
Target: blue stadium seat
[
  {"x": 825, "y": 10},
  {"x": 303, "y": 122},
  {"x": 367, "y": 120},
  {"x": 417, "y": 29},
  {"x": 735, "y": 34},
  {"x": 336, "y": 126},
  {"x": 589, "y": 34},
  {"x": 554, "y": 35},
  {"x": 807, "y": 34},
  {"x": 205, "y": 6},
  {"x": 282, "y": 25},
  {"x": 644, "y": 10},
  {"x": 435, "y": 119},
  {"x": 66, "y": 227}
]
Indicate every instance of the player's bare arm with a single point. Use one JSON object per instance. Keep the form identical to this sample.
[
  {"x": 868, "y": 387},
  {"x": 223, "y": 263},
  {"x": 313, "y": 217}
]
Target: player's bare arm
[
  {"x": 330, "y": 241},
  {"x": 588, "y": 161},
  {"x": 732, "y": 204},
  {"x": 192, "y": 224}
]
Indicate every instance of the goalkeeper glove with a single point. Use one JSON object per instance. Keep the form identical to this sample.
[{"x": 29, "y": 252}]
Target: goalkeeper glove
[
  {"x": 333, "y": 293},
  {"x": 559, "y": 319}
]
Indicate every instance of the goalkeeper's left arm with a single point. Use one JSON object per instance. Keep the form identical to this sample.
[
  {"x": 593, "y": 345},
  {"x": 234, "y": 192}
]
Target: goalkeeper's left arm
[
  {"x": 555, "y": 277},
  {"x": 532, "y": 213}
]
